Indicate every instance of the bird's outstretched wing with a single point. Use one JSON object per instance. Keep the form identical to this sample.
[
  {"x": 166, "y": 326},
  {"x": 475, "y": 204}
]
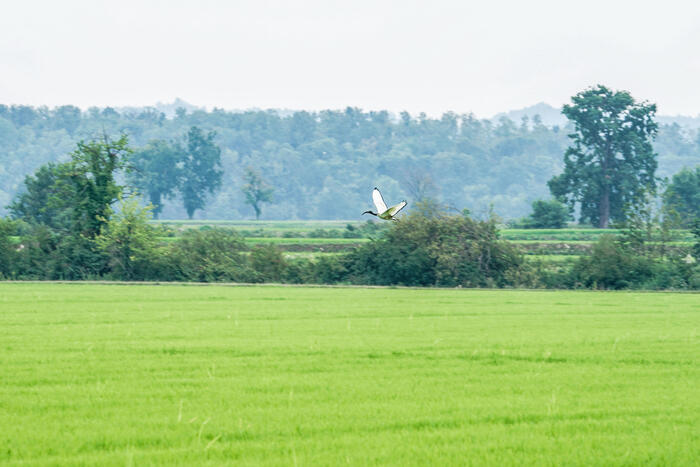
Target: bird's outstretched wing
[
  {"x": 378, "y": 201},
  {"x": 394, "y": 210}
]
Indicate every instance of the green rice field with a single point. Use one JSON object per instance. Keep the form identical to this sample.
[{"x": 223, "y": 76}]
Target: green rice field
[{"x": 94, "y": 374}]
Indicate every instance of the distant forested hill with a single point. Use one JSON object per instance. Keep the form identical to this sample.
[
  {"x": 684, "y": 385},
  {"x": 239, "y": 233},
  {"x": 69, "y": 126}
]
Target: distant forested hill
[{"x": 323, "y": 165}]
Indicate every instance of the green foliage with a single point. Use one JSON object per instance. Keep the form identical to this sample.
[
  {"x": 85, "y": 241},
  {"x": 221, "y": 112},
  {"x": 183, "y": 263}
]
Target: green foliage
[
  {"x": 155, "y": 172},
  {"x": 547, "y": 215},
  {"x": 47, "y": 197},
  {"x": 682, "y": 196},
  {"x": 214, "y": 255},
  {"x": 436, "y": 250},
  {"x": 611, "y": 163},
  {"x": 638, "y": 258},
  {"x": 201, "y": 174},
  {"x": 298, "y": 271},
  {"x": 322, "y": 165},
  {"x": 611, "y": 266},
  {"x": 267, "y": 261},
  {"x": 93, "y": 168},
  {"x": 129, "y": 242},
  {"x": 67, "y": 206},
  {"x": 8, "y": 249},
  {"x": 256, "y": 191},
  {"x": 328, "y": 270}
]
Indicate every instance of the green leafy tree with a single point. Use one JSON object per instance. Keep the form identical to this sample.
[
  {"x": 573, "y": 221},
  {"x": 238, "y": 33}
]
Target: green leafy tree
[
  {"x": 76, "y": 195},
  {"x": 47, "y": 196},
  {"x": 548, "y": 215},
  {"x": 68, "y": 205},
  {"x": 611, "y": 162},
  {"x": 201, "y": 174},
  {"x": 682, "y": 197},
  {"x": 129, "y": 241},
  {"x": 256, "y": 191},
  {"x": 8, "y": 249},
  {"x": 156, "y": 172},
  {"x": 93, "y": 173}
]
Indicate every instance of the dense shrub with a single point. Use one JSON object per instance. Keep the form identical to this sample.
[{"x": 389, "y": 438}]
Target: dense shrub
[
  {"x": 214, "y": 255},
  {"x": 616, "y": 264},
  {"x": 436, "y": 249},
  {"x": 611, "y": 266},
  {"x": 267, "y": 261},
  {"x": 327, "y": 270},
  {"x": 52, "y": 255},
  {"x": 130, "y": 243}
]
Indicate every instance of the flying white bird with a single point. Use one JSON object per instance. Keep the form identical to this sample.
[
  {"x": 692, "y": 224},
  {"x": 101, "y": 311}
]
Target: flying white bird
[{"x": 382, "y": 211}]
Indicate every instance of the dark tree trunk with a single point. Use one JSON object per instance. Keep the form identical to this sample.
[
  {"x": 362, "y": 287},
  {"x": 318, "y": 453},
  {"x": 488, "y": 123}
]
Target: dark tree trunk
[{"x": 155, "y": 201}]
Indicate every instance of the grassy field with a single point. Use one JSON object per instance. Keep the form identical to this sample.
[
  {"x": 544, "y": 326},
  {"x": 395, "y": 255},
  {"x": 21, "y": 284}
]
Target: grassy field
[{"x": 115, "y": 375}]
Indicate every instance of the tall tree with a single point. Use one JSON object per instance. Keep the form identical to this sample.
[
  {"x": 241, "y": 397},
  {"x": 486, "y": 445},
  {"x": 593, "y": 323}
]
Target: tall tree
[
  {"x": 129, "y": 241},
  {"x": 76, "y": 195},
  {"x": 46, "y": 198},
  {"x": 682, "y": 197},
  {"x": 256, "y": 191},
  {"x": 68, "y": 205},
  {"x": 156, "y": 172},
  {"x": 611, "y": 163},
  {"x": 201, "y": 174},
  {"x": 93, "y": 173}
]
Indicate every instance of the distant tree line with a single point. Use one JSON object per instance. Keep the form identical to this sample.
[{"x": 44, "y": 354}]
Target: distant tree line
[
  {"x": 323, "y": 165},
  {"x": 80, "y": 217},
  {"x": 430, "y": 247}
]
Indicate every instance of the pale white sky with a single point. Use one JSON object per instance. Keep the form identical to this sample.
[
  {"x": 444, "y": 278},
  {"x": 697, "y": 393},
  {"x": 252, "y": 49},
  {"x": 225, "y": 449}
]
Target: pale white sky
[{"x": 483, "y": 56}]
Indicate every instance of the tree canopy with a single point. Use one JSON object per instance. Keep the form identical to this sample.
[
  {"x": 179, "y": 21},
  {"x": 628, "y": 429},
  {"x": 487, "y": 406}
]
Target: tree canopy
[
  {"x": 611, "y": 163},
  {"x": 256, "y": 191},
  {"x": 682, "y": 196},
  {"x": 155, "y": 171},
  {"x": 68, "y": 205},
  {"x": 201, "y": 160},
  {"x": 325, "y": 164}
]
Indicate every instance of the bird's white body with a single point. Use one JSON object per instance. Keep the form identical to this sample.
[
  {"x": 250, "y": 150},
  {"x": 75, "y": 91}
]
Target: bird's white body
[{"x": 388, "y": 214}]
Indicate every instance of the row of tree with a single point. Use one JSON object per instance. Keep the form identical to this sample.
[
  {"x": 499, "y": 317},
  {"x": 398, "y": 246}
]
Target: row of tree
[
  {"x": 69, "y": 228},
  {"x": 430, "y": 247},
  {"x": 322, "y": 165}
]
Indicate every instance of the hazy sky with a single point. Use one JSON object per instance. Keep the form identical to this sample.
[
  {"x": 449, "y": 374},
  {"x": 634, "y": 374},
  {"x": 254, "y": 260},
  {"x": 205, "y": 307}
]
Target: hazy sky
[{"x": 482, "y": 56}]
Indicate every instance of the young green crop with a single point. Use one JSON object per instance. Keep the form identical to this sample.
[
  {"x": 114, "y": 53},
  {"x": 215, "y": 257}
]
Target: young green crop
[{"x": 115, "y": 374}]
